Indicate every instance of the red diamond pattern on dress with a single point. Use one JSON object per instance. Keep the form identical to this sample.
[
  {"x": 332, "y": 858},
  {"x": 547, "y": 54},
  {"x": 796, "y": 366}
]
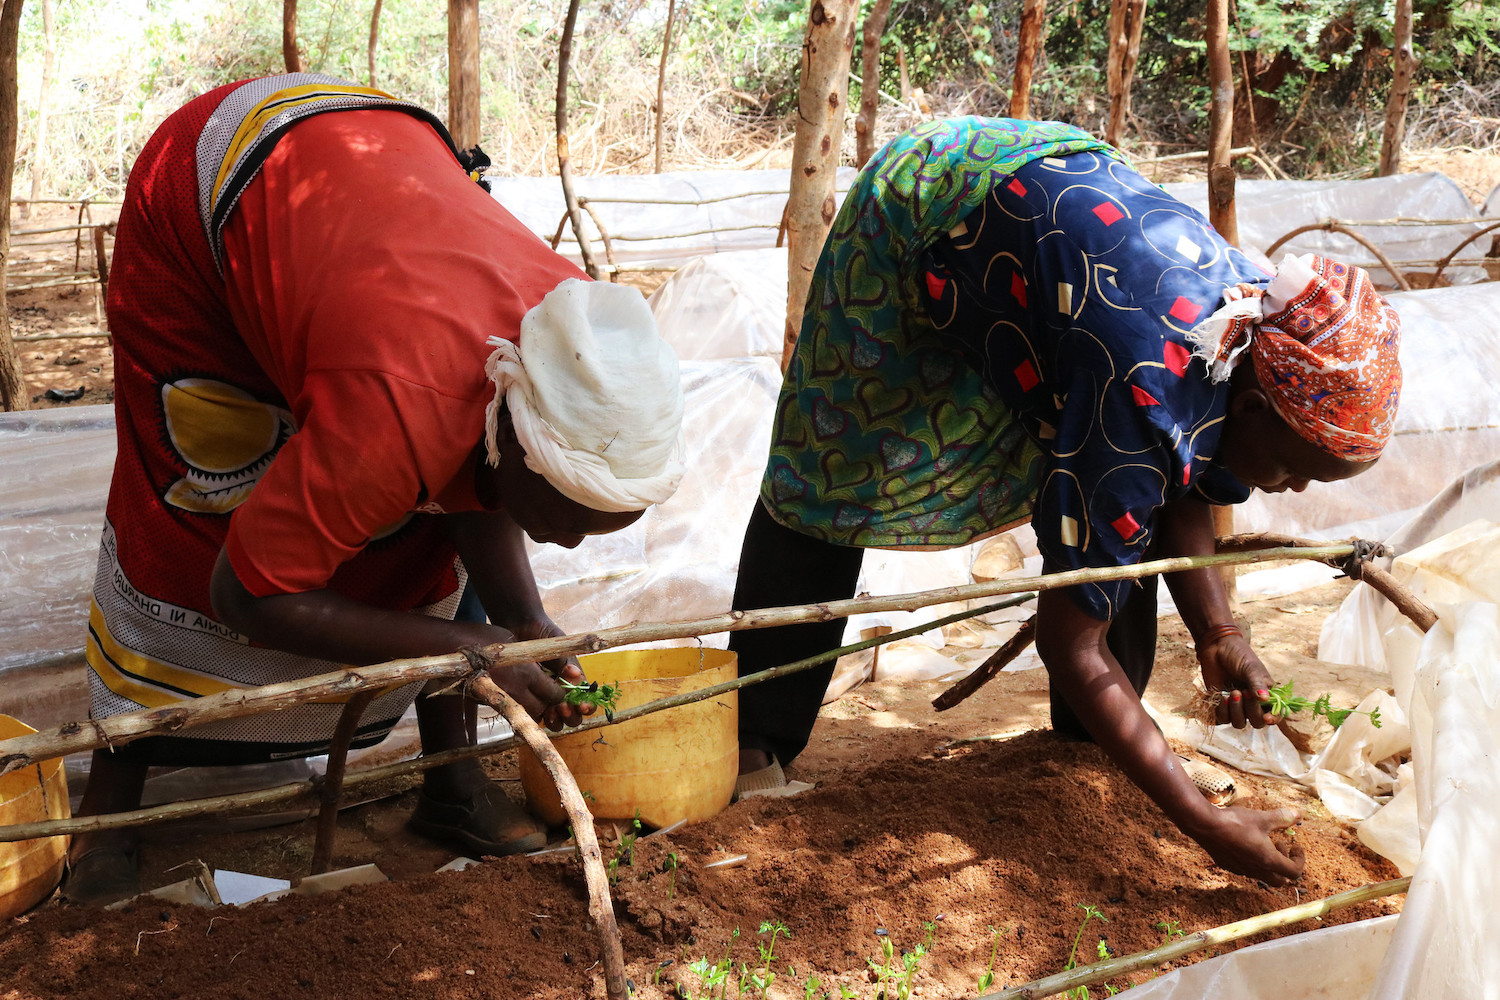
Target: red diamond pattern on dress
[
  {"x": 1187, "y": 474},
  {"x": 1142, "y": 397},
  {"x": 935, "y": 285},
  {"x": 1026, "y": 375},
  {"x": 1108, "y": 214},
  {"x": 1016, "y": 187},
  {"x": 1175, "y": 357},
  {"x": 1185, "y": 310},
  {"x": 1125, "y": 525},
  {"x": 1018, "y": 288}
]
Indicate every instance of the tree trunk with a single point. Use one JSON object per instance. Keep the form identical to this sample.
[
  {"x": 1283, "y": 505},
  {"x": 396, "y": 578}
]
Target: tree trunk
[
  {"x": 1125, "y": 20},
  {"x": 564, "y": 155},
  {"x": 12, "y": 393},
  {"x": 39, "y": 148},
  {"x": 374, "y": 37},
  {"x": 1032, "y": 18},
  {"x": 661, "y": 79},
  {"x": 1395, "y": 106},
  {"x": 289, "y": 49},
  {"x": 1221, "y": 177},
  {"x": 869, "y": 82},
  {"x": 463, "y": 72},
  {"x": 1221, "y": 211},
  {"x": 821, "y": 95}
]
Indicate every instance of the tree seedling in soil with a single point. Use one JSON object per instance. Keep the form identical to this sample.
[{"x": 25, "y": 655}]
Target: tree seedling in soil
[
  {"x": 987, "y": 979},
  {"x": 1089, "y": 913},
  {"x": 765, "y": 977},
  {"x": 1282, "y": 702},
  {"x": 625, "y": 850},
  {"x": 669, "y": 865},
  {"x": 601, "y": 696}
]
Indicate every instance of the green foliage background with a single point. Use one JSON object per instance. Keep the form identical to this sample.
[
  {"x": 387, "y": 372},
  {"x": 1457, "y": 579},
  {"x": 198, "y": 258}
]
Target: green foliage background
[{"x": 1320, "y": 70}]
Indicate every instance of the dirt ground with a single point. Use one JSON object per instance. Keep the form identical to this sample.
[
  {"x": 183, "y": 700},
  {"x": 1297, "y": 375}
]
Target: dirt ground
[{"x": 995, "y": 843}]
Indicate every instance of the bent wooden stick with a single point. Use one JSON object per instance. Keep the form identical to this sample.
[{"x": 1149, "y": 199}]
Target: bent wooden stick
[
  {"x": 333, "y": 780},
  {"x": 481, "y": 688},
  {"x": 1088, "y": 975},
  {"x": 987, "y": 670},
  {"x": 24, "y": 751}
]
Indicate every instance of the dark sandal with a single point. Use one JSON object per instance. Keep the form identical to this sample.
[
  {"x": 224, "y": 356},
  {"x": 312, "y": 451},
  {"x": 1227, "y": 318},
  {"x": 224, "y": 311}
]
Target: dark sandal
[
  {"x": 102, "y": 876},
  {"x": 486, "y": 823}
]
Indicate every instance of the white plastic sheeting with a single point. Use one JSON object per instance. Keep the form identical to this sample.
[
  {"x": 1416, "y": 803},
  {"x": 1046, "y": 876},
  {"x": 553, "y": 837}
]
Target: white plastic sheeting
[
  {"x": 1267, "y": 210},
  {"x": 708, "y": 211},
  {"x": 660, "y": 216}
]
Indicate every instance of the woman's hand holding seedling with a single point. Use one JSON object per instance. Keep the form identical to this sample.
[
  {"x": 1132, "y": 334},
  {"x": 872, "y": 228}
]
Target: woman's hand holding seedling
[
  {"x": 1237, "y": 680},
  {"x": 1282, "y": 702},
  {"x": 562, "y": 709}
]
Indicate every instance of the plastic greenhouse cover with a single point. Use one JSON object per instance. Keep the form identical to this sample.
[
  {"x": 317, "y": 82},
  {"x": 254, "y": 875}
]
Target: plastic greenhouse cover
[{"x": 631, "y": 207}]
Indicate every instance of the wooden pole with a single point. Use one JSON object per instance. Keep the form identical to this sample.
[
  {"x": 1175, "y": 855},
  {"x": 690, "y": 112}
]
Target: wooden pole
[
  {"x": 869, "y": 82},
  {"x": 601, "y": 909},
  {"x": 1088, "y": 975},
  {"x": 986, "y": 671},
  {"x": 74, "y": 737},
  {"x": 1405, "y": 67},
  {"x": 289, "y": 51},
  {"x": 564, "y": 159},
  {"x": 1221, "y": 176},
  {"x": 1126, "y": 19},
  {"x": 39, "y": 147},
  {"x": 1033, "y": 16},
  {"x": 374, "y": 38},
  {"x": 463, "y": 72},
  {"x": 822, "y": 93},
  {"x": 333, "y": 780},
  {"x": 661, "y": 79},
  {"x": 12, "y": 392}
]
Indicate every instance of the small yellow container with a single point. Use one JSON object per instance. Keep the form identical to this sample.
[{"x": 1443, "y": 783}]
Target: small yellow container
[
  {"x": 671, "y": 765},
  {"x": 30, "y": 869}
]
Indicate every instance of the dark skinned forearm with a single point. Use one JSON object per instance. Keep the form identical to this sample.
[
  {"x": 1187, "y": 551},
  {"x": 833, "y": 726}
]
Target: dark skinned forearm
[
  {"x": 1071, "y": 644},
  {"x": 493, "y": 549},
  {"x": 329, "y": 626}
]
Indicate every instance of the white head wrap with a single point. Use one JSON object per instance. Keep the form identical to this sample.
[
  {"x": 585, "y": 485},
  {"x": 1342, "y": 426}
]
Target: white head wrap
[
  {"x": 595, "y": 396},
  {"x": 1225, "y": 335}
]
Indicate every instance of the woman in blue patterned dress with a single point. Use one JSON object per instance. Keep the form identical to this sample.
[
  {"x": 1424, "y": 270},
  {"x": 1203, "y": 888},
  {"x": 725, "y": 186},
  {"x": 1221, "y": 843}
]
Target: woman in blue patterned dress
[{"x": 1006, "y": 323}]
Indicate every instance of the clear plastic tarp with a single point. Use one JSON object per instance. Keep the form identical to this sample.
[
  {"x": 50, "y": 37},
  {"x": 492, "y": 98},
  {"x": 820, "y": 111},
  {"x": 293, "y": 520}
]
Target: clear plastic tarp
[{"x": 670, "y": 216}]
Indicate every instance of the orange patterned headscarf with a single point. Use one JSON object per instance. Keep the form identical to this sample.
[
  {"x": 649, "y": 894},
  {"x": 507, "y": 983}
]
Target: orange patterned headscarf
[{"x": 1324, "y": 346}]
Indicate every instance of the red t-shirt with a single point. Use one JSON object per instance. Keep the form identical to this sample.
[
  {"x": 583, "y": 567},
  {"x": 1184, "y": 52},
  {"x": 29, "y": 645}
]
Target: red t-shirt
[{"x": 365, "y": 271}]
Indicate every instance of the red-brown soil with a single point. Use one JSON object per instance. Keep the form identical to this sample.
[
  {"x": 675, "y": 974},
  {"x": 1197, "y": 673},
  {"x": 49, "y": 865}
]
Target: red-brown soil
[{"x": 904, "y": 829}]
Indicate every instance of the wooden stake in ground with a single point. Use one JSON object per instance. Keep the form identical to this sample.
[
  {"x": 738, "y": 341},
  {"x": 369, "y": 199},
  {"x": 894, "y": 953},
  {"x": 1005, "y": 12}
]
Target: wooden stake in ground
[
  {"x": 1404, "y": 67},
  {"x": 12, "y": 394},
  {"x": 1126, "y": 18},
  {"x": 463, "y": 72},
  {"x": 821, "y": 95},
  {"x": 869, "y": 82},
  {"x": 374, "y": 37},
  {"x": 564, "y": 157},
  {"x": 1221, "y": 176},
  {"x": 289, "y": 50},
  {"x": 333, "y": 780},
  {"x": 1033, "y": 17},
  {"x": 481, "y": 688},
  {"x": 661, "y": 79},
  {"x": 986, "y": 671}
]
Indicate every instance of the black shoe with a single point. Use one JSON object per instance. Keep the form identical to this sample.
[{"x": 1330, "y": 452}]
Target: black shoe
[
  {"x": 102, "y": 876},
  {"x": 486, "y": 823}
]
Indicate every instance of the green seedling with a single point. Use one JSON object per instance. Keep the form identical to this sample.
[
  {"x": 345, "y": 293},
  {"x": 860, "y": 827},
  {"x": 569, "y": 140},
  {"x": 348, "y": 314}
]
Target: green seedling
[
  {"x": 883, "y": 968},
  {"x": 810, "y": 988},
  {"x": 669, "y": 865},
  {"x": 988, "y": 978},
  {"x": 847, "y": 993},
  {"x": 1089, "y": 913},
  {"x": 1282, "y": 702},
  {"x": 601, "y": 696},
  {"x": 625, "y": 851},
  {"x": 710, "y": 977},
  {"x": 765, "y": 977},
  {"x": 1169, "y": 929}
]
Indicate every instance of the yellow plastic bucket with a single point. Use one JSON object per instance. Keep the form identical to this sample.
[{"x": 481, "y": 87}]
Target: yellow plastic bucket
[
  {"x": 668, "y": 766},
  {"x": 30, "y": 869}
]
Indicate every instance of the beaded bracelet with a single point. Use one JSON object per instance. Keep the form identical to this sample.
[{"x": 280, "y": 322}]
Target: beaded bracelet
[{"x": 1214, "y": 633}]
